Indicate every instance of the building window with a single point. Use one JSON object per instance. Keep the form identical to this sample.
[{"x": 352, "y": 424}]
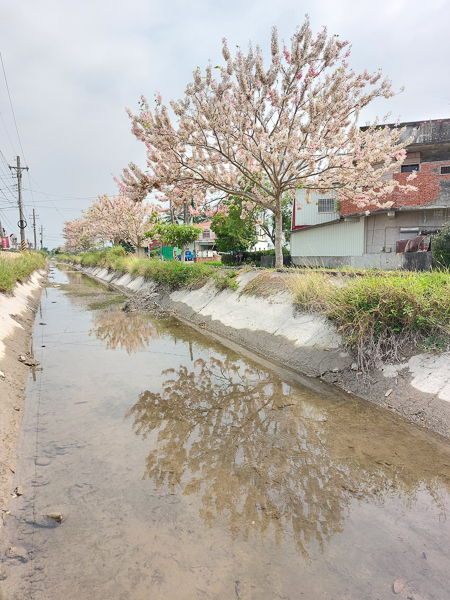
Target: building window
[
  {"x": 206, "y": 234},
  {"x": 445, "y": 170},
  {"x": 438, "y": 214},
  {"x": 409, "y": 168},
  {"x": 326, "y": 205}
]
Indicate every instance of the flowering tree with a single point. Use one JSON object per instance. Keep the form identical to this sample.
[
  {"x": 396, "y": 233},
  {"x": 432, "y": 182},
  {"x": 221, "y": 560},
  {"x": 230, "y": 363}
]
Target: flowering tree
[
  {"x": 289, "y": 126},
  {"x": 121, "y": 219},
  {"x": 106, "y": 216},
  {"x": 111, "y": 220},
  {"x": 79, "y": 235}
]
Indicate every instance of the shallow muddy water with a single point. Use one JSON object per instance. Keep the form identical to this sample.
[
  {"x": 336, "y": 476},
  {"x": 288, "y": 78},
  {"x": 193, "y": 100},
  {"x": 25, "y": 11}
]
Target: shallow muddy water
[{"x": 184, "y": 471}]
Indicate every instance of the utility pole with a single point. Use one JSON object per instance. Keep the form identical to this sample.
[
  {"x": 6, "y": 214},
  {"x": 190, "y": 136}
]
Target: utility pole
[
  {"x": 22, "y": 223},
  {"x": 34, "y": 229},
  {"x": 42, "y": 236}
]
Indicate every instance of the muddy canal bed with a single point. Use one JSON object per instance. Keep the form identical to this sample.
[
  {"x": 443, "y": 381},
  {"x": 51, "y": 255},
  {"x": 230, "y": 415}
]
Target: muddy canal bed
[{"x": 183, "y": 470}]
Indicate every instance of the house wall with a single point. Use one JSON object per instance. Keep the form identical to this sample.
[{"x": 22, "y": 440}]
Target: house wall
[
  {"x": 308, "y": 214},
  {"x": 339, "y": 239},
  {"x": 413, "y": 261},
  {"x": 383, "y": 232}
]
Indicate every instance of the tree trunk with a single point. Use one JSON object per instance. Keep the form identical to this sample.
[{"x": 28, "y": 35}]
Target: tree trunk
[
  {"x": 278, "y": 235},
  {"x": 183, "y": 254}
]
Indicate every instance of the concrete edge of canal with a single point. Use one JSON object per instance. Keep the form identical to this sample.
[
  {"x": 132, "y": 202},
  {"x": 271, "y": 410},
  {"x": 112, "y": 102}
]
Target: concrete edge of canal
[
  {"x": 418, "y": 389},
  {"x": 17, "y": 314}
]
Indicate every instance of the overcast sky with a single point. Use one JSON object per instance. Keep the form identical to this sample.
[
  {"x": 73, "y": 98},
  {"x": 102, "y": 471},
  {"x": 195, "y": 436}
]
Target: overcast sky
[{"x": 73, "y": 67}]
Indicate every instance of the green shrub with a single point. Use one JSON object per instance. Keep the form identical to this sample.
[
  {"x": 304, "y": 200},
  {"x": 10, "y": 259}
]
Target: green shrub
[
  {"x": 228, "y": 259},
  {"x": 441, "y": 247},
  {"x": 378, "y": 315}
]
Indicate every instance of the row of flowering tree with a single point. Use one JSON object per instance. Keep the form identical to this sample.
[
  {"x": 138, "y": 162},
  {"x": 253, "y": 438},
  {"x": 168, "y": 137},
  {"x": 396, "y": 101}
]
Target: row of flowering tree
[
  {"x": 120, "y": 219},
  {"x": 291, "y": 124},
  {"x": 114, "y": 220}
]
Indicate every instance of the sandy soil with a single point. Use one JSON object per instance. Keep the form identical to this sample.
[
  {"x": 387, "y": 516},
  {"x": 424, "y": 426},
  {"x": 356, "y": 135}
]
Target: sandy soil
[{"x": 17, "y": 314}]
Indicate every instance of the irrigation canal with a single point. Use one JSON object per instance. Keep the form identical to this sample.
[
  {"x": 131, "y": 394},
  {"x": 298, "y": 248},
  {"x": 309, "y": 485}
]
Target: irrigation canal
[{"x": 183, "y": 470}]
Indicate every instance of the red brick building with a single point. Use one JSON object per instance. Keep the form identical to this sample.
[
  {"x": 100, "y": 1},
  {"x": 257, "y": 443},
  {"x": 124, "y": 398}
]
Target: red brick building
[{"x": 332, "y": 235}]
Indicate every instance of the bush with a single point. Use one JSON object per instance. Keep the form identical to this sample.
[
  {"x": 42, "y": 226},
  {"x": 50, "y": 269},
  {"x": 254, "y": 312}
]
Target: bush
[
  {"x": 228, "y": 259},
  {"x": 379, "y": 313},
  {"x": 441, "y": 247},
  {"x": 250, "y": 257},
  {"x": 19, "y": 268}
]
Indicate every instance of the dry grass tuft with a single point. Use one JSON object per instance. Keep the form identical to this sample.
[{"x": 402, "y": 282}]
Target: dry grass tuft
[
  {"x": 311, "y": 290},
  {"x": 265, "y": 284}
]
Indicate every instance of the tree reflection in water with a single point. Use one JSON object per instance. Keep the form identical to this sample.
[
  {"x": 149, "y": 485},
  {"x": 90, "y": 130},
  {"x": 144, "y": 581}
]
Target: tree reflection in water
[
  {"x": 258, "y": 454},
  {"x": 118, "y": 329}
]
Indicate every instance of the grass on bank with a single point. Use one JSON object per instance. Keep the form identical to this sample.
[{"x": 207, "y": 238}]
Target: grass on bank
[
  {"x": 379, "y": 314},
  {"x": 17, "y": 269},
  {"x": 172, "y": 273}
]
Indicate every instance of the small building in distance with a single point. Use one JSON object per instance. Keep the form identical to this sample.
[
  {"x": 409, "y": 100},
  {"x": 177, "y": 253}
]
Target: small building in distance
[
  {"x": 263, "y": 240},
  {"x": 331, "y": 234},
  {"x": 204, "y": 248}
]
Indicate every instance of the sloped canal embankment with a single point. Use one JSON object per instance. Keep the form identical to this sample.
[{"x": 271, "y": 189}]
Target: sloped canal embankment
[{"x": 17, "y": 314}]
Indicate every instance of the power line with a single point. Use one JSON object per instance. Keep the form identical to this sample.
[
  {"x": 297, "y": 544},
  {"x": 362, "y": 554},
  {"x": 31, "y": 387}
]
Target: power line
[
  {"x": 12, "y": 108},
  {"x": 49, "y": 199},
  {"x": 7, "y": 133},
  {"x": 18, "y": 135},
  {"x": 67, "y": 197}
]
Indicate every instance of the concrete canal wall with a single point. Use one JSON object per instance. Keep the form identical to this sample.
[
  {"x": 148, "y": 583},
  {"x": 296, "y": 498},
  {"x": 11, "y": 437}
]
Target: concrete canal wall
[
  {"x": 17, "y": 314},
  {"x": 418, "y": 388}
]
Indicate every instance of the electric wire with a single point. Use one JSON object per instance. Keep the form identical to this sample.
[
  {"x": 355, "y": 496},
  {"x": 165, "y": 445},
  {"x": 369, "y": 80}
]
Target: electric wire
[
  {"x": 12, "y": 108},
  {"x": 7, "y": 133}
]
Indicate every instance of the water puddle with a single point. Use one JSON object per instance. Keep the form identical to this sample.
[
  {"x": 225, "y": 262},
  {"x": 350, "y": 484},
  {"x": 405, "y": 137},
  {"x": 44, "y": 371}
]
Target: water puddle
[{"x": 183, "y": 470}]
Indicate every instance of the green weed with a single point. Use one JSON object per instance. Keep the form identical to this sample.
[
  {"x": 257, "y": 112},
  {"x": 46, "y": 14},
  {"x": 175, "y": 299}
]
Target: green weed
[{"x": 226, "y": 279}]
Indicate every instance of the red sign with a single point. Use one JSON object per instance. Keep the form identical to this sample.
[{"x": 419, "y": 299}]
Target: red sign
[{"x": 4, "y": 242}]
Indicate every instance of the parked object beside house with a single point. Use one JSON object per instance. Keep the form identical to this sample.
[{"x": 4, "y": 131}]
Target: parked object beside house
[{"x": 331, "y": 234}]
